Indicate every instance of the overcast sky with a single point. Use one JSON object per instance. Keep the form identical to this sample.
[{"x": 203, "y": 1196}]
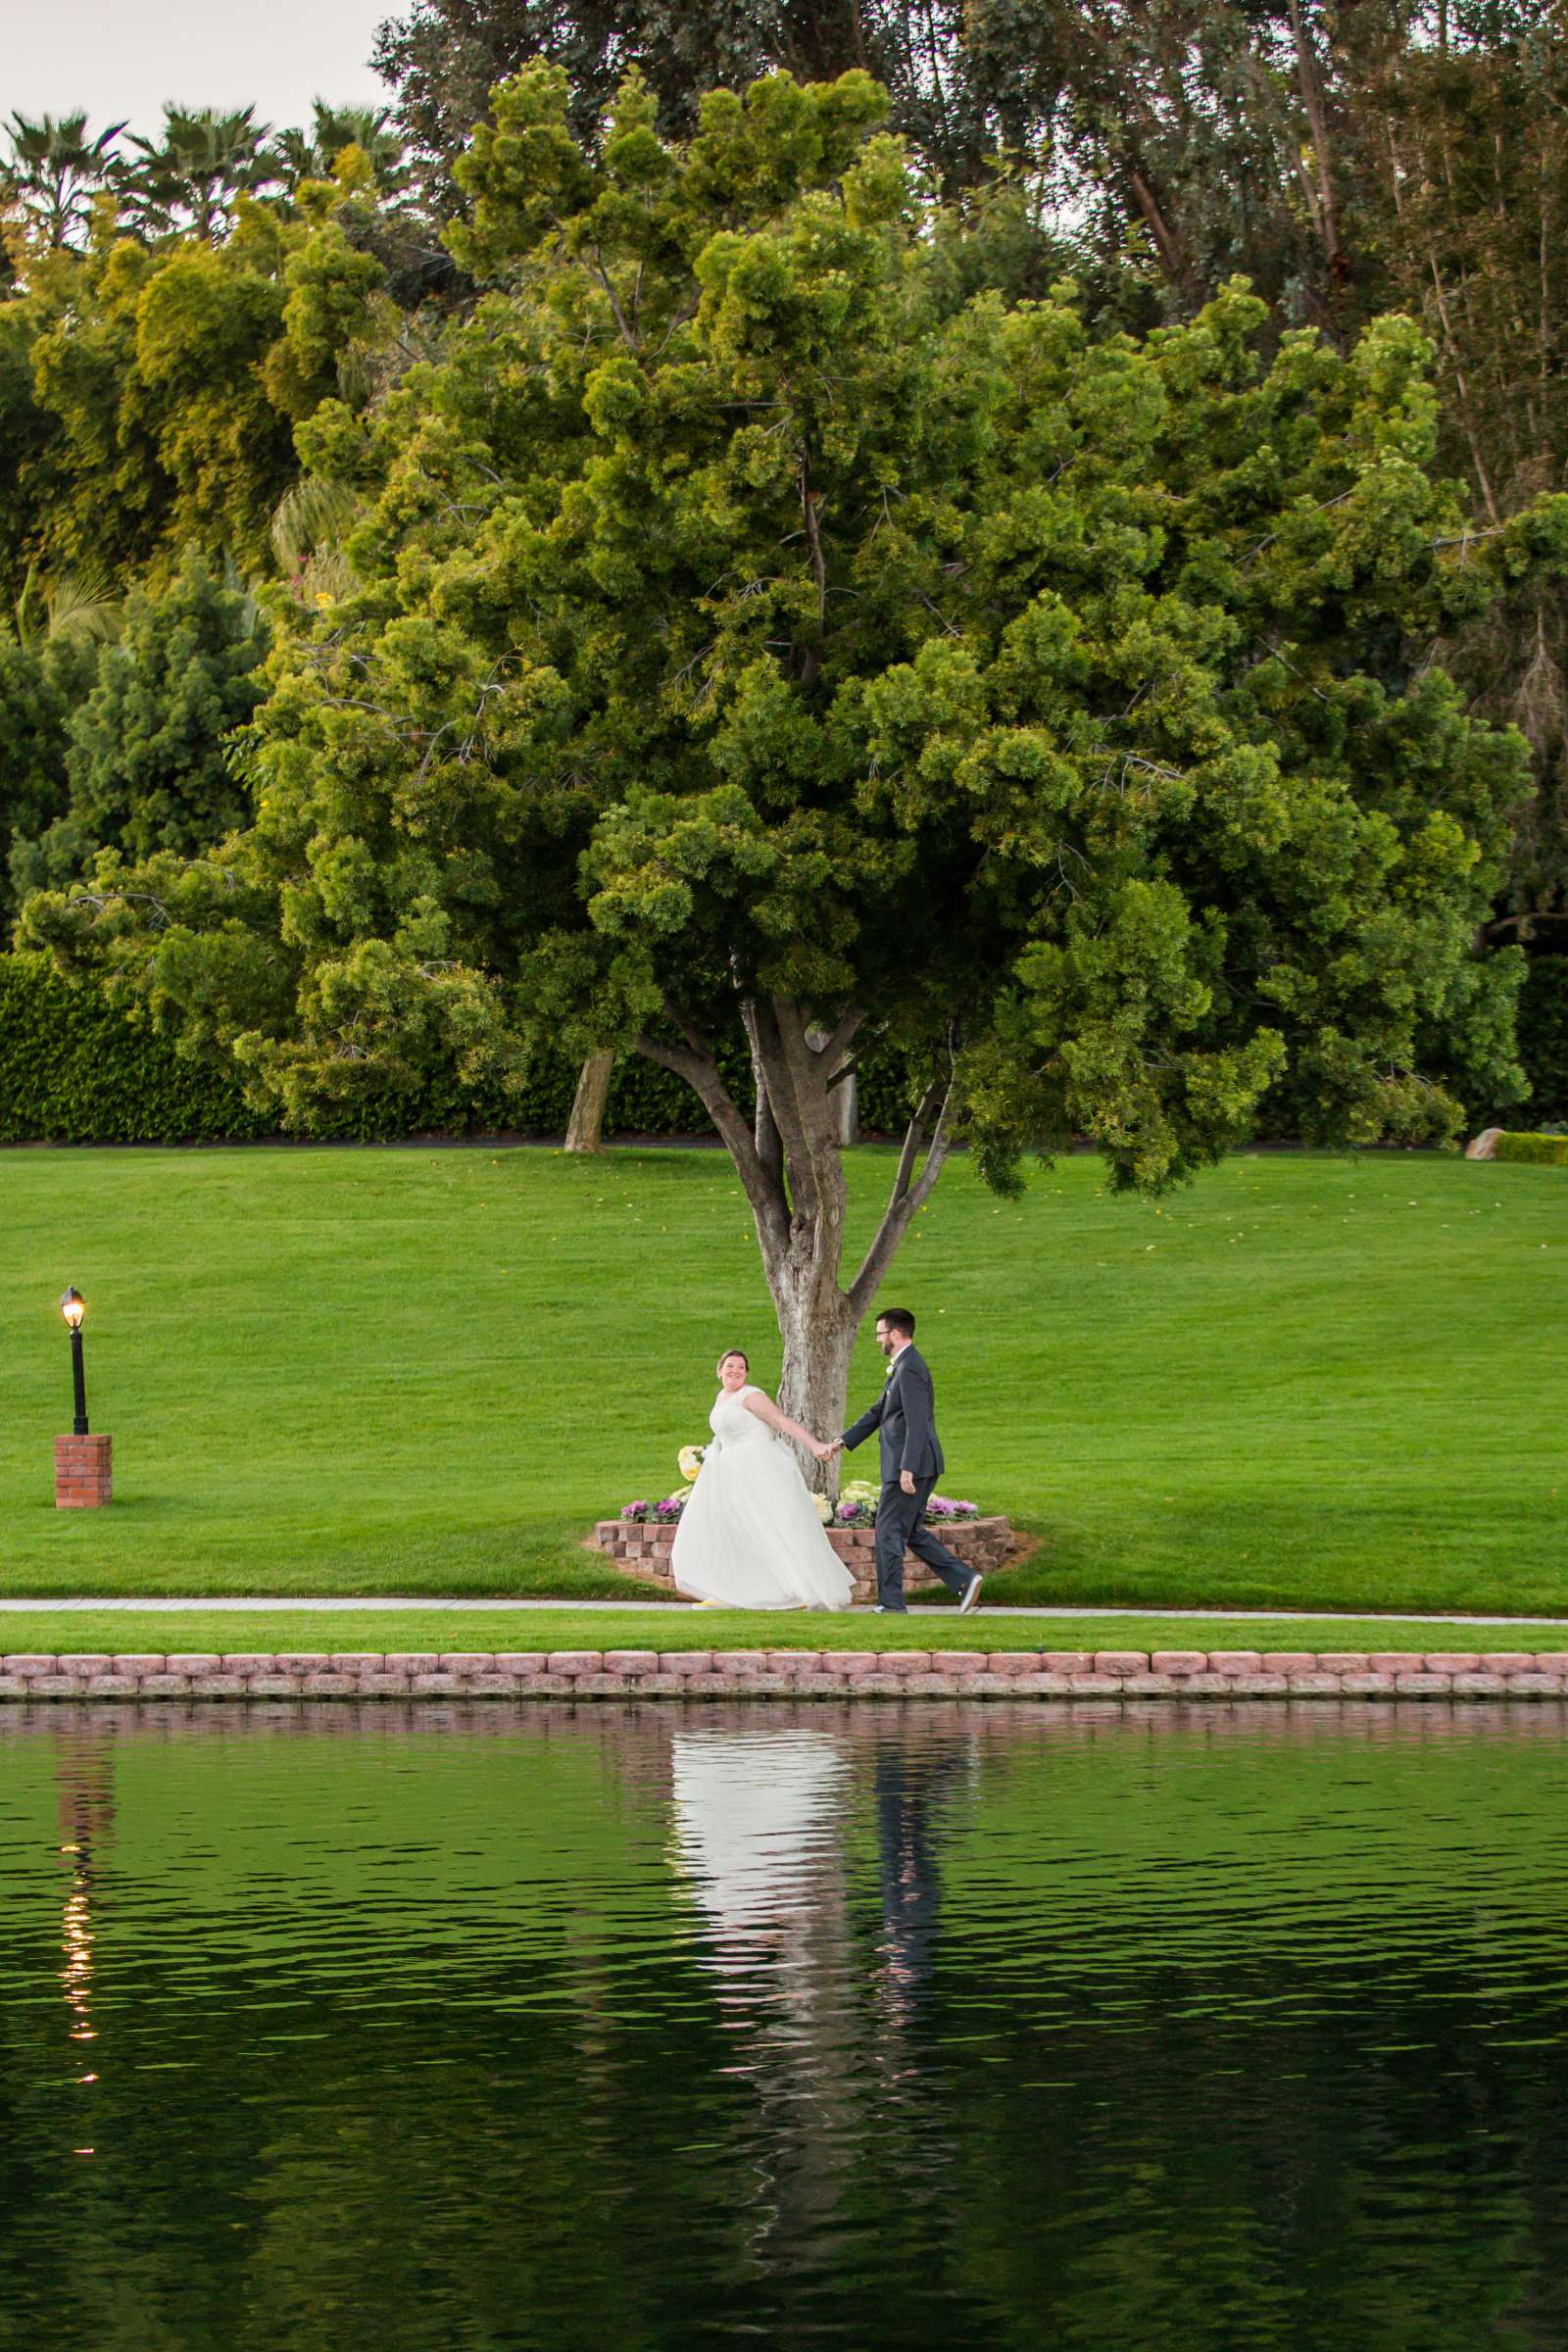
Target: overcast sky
[{"x": 118, "y": 58}]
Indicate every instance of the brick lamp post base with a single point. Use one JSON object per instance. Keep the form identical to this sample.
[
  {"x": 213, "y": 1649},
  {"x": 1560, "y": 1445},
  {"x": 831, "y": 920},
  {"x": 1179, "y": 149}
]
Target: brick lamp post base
[{"x": 83, "y": 1473}]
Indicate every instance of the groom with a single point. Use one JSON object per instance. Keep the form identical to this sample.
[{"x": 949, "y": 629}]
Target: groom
[{"x": 912, "y": 1463}]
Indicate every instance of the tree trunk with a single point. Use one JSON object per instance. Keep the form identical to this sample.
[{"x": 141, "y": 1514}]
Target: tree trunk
[
  {"x": 846, "y": 1096},
  {"x": 790, "y": 1161},
  {"x": 585, "y": 1129},
  {"x": 819, "y": 1333},
  {"x": 1327, "y": 219}
]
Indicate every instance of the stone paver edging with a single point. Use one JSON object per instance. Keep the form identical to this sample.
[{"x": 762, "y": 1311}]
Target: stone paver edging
[{"x": 1114, "y": 1674}]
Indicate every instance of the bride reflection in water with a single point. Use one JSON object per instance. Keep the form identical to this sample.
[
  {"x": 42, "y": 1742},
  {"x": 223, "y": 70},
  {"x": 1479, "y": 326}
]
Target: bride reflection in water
[
  {"x": 759, "y": 1819},
  {"x": 761, "y": 1822}
]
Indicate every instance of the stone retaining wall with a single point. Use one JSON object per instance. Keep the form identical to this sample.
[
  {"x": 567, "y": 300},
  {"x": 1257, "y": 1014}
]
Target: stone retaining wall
[
  {"x": 1114, "y": 1674},
  {"x": 641, "y": 1547}
]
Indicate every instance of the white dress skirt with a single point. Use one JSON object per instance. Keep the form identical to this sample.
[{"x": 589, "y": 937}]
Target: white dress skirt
[{"x": 749, "y": 1536}]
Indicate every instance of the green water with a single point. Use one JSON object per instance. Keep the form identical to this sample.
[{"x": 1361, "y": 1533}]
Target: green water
[{"x": 819, "y": 2026}]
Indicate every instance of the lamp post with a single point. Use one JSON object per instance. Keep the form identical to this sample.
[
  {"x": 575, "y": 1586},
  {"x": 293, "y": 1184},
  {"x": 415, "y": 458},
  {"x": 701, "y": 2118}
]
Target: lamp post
[
  {"x": 73, "y": 1307},
  {"x": 83, "y": 1463}
]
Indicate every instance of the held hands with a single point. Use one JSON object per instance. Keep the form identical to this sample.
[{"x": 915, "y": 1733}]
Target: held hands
[{"x": 825, "y": 1450}]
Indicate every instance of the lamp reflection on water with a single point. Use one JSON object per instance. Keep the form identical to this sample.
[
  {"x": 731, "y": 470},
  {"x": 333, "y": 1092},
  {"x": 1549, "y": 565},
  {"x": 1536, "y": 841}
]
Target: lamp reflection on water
[{"x": 85, "y": 1774}]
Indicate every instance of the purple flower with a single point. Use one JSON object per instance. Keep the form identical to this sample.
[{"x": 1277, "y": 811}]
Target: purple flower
[
  {"x": 634, "y": 1510},
  {"x": 670, "y": 1508},
  {"x": 848, "y": 1513}
]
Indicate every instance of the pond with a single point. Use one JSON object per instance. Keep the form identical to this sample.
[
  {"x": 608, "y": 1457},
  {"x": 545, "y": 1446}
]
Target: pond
[{"x": 878, "y": 2026}]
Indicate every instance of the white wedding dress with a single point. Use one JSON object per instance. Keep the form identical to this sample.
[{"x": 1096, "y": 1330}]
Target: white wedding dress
[{"x": 749, "y": 1536}]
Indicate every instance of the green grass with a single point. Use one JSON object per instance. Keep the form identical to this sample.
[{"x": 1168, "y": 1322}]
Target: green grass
[
  {"x": 1317, "y": 1383},
  {"x": 383, "y": 1630}
]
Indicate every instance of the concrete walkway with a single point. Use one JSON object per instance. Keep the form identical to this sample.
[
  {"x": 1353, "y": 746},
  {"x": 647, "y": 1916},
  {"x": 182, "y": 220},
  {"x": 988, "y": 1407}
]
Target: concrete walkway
[{"x": 201, "y": 1604}]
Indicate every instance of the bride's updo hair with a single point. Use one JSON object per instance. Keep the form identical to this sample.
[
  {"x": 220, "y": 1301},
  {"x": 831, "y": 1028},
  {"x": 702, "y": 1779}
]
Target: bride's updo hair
[{"x": 725, "y": 1359}]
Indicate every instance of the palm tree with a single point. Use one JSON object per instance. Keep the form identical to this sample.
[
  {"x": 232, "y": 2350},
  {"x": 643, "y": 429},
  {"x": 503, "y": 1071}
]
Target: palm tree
[
  {"x": 54, "y": 171},
  {"x": 73, "y": 603},
  {"x": 301, "y": 157},
  {"x": 204, "y": 160}
]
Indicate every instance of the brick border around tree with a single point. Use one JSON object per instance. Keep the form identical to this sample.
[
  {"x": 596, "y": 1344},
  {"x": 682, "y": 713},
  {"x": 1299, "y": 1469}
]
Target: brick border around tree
[{"x": 641, "y": 1547}]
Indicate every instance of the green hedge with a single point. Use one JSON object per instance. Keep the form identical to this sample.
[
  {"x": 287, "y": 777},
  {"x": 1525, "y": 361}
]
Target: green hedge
[
  {"x": 1540, "y": 1151},
  {"x": 1544, "y": 1035},
  {"x": 75, "y": 1069}
]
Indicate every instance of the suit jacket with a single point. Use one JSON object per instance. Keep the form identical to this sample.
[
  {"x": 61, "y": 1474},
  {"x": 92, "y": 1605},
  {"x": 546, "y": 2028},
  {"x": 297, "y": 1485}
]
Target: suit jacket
[{"x": 905, "y": 1416}]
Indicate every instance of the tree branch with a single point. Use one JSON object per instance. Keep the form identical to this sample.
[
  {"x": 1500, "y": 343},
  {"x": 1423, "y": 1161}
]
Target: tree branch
[
  {"x": 765, "y": 1136},
  {"x": 1517, "y": 922},
  {"x": 839, "y": 1039},
  {"x": 701, "y": 1072},
  {"x": 936, "y": 1157},
  {"x": 904, "y": 1197},
  {"x": 913, "y": 1139}
]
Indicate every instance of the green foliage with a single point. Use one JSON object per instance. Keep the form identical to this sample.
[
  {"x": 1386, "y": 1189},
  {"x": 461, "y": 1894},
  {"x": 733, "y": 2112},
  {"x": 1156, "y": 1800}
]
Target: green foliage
[
  {"x": 445, "y": 55},
  {"x": 41, "y": 682},
  {"x": 1535, "y": 1150},
  {"x": 1346, "y": 162},
  {"x": 148, "y": 397},
  {"x": 1544, "y": 1034},
  {"x": 733, "y": 600},
  {"x": 145, "y": 752}
]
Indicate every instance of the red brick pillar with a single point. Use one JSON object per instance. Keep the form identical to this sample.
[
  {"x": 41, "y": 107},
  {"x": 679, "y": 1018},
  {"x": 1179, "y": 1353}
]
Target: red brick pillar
[{"x": 83, "y": 1472}]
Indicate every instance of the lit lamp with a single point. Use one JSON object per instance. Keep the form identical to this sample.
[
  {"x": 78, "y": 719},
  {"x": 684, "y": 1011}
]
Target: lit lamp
[
  {"x": 83, "y": 1463},
  {"x": 73, "y": 1307}
]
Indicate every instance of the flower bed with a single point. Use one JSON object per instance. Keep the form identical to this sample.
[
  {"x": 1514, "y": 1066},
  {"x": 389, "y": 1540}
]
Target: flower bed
[
  {"x": 642, "y": 1539},
  {"x": 856, "y": 1507}
]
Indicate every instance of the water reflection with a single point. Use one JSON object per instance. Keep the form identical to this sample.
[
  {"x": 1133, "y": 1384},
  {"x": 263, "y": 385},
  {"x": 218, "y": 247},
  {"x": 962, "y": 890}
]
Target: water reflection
[
  {"x": 913, "y": 1785},
  {"x": 1145, "y": 2030},
  {"x": 84, "y": 1774}
]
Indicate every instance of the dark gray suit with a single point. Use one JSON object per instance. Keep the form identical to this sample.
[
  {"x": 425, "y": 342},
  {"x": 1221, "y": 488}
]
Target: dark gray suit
[{"x": 905, "y": 1418}]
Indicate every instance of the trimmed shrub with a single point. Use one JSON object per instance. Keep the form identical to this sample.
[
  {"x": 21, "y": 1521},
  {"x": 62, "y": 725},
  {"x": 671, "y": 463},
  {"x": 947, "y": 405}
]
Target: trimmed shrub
[{"x": 1540, "y": 1151}]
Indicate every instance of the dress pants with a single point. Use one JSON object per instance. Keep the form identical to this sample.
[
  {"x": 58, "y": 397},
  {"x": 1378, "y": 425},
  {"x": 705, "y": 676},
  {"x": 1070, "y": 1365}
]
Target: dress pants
[{"x": 899, "y": 1528}]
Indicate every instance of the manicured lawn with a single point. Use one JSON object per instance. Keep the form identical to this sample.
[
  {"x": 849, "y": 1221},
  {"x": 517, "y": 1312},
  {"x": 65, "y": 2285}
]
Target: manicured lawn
[
  {"x": 380, "y": 1629},
  {"x": 1327, "y": 1384}
]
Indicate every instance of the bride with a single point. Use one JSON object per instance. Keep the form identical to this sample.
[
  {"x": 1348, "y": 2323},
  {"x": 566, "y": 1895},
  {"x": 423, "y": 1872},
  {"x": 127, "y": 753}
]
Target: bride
[{"x": 750, "y": 1536}]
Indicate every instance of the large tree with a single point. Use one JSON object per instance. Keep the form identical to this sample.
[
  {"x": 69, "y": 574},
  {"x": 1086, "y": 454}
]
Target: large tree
[{"x": 756, "y": 630}]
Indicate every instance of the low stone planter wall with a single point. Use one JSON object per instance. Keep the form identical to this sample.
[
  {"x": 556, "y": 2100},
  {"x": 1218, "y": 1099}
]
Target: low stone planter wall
[
  {"x": 641, "y": 1547},
  {"x": 1047, "y": 1674}
]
